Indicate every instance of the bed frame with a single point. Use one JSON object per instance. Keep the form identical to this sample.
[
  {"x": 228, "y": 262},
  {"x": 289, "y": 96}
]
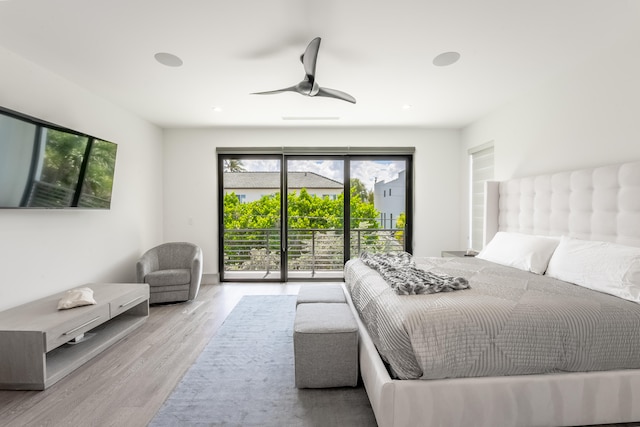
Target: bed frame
[{"x": 594, "y": 204}]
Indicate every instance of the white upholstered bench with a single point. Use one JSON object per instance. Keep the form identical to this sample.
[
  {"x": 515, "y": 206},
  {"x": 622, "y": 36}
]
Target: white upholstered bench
[
  {"x": 329, "y": 293},
  {"x": 325, "y": 345}
]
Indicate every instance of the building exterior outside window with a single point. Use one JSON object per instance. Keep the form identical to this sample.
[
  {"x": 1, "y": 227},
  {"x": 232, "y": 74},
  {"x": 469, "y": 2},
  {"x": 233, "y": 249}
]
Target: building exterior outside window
[
  {"x": 253, "y": 185},
  {"x": 390, "y": 203}
]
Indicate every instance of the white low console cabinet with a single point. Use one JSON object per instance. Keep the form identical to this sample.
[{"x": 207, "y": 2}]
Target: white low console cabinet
[{"x": 40, "y": 344}]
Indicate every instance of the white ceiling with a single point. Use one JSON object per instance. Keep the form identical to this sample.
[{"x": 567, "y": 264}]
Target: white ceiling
[{"x": 380, "y": 52}]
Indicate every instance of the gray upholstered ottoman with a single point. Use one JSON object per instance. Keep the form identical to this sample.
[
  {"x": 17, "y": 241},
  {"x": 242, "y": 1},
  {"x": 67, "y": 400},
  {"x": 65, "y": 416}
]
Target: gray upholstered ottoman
[
  {"x": 321, "y": 293},
  {"x": 325, "y": 346}
]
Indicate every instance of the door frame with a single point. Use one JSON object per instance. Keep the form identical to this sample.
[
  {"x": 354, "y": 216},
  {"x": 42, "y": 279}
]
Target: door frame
[
  {"x": 283, "y": 158},
  {"x": 285, "y": 211},
  {"x": 220, "y": 209}
]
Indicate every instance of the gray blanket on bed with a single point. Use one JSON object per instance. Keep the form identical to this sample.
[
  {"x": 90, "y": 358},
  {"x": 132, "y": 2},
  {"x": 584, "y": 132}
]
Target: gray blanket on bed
[
  {"x": 398, "y": 269},
  {"x": 509, "y": 322}
]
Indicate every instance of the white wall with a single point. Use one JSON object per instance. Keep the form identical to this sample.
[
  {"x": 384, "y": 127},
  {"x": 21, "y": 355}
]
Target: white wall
[
  {"x": 46, "y": 251},
  {"x": 190, "y": 200},
  {"x": 588, "y": 117}
]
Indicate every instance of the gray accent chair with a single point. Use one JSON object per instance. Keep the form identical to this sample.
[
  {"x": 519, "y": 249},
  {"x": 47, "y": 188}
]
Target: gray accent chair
[{"x": 172, "y": 270}]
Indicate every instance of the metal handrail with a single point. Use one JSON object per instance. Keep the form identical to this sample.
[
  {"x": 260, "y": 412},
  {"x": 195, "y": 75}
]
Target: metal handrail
[{"x": 311, "y": 249}]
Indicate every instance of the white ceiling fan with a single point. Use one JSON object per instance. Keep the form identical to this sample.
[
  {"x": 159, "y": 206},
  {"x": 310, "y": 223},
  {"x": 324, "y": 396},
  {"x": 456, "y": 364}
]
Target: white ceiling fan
[{"x": 309, "y": 86}]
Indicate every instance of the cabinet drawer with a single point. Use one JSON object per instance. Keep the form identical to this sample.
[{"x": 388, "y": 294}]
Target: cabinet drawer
[
  {"x": 129, "y": 300},
  {"x": 83, "y": 320}
]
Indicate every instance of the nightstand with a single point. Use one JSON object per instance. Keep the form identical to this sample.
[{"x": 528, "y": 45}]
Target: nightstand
[{"x": 450, "y": 254}]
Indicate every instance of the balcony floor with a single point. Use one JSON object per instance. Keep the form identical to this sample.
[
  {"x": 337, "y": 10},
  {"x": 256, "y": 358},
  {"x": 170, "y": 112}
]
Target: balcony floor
[{"x": 275, "y": 275}]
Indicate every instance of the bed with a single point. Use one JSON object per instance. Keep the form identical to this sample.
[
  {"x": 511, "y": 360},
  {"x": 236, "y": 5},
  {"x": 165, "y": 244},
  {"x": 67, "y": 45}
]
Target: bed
[{"x": 592, "y": 208}]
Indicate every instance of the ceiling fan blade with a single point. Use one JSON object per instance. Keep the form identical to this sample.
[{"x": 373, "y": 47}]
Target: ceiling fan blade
[
  {"x": 309, "y": 58},
  {"x": 333, "y": 93},
  {"x": 271, "y": 92},
  {"x": 309, "y": 86}
]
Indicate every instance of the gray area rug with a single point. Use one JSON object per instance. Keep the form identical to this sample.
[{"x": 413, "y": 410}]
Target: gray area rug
[{"x": 245, "y": 377}]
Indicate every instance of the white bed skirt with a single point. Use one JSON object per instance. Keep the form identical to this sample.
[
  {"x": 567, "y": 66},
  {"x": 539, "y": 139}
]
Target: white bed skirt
[{"x": 566, "y": 399}]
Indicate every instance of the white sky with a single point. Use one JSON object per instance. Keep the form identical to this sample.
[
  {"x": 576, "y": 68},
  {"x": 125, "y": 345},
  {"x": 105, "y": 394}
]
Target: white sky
[{"x": 365, "y": 170}]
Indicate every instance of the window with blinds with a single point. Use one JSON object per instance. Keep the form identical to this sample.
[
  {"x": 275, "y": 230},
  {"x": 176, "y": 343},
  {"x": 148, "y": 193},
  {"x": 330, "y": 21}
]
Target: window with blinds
[{"x": 481, "y": 170}]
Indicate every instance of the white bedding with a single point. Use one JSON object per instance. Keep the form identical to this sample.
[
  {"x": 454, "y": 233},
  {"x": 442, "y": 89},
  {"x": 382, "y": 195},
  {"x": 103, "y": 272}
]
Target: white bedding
[{"x": 510, "y": 322}]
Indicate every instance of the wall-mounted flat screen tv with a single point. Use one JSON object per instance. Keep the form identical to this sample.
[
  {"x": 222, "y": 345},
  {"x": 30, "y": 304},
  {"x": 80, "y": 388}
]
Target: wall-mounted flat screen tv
[{"x": 43, "y": 165}]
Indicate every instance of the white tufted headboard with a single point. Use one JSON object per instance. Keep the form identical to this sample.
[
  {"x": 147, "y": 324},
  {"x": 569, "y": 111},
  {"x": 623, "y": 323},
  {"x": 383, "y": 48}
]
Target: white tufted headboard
[{"x": 601, "y": 203}]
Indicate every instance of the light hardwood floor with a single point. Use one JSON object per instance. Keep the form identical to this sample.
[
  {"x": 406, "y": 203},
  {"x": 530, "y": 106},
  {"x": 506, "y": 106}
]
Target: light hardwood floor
[{"x": 127, "y": 384}]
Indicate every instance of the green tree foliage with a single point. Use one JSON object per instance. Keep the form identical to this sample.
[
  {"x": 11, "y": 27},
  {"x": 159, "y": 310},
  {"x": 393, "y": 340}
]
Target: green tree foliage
[
  {"x": 63, "y": 159},
  {"x": 64, "y": 153},
  {"x": 247, "y": 249},
  {"x": 242, "y": 249},
  {"x": 304, "y": 210},
  {"x": 400, "y": 223},
  {"x": 310, "y": 211},
  {"x": 363, "y": 213},
  {"x": 98, "y": 180},
  {"x": 358, "y": 189},
  {"x": 233, "y": 165},
  {"x": 315, "y": 229},
  {"x": 263, "y": 213}
]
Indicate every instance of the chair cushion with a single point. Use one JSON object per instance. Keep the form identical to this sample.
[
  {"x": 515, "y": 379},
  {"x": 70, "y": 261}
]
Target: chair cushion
[{"x": 177, "y": 276}]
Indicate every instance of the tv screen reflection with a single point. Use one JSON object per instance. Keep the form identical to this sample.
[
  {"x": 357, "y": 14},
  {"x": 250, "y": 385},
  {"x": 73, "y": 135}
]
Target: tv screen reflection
[{"x": 45, "y": 166}]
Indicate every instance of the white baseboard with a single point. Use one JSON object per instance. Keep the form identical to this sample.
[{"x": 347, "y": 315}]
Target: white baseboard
[{"x": 210, "y": 279}]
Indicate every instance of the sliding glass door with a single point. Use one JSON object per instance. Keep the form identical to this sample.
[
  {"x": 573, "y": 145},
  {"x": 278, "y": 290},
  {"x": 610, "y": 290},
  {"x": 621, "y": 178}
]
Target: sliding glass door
[
  {"x": 315, "y": 217},
  {"x": 379, "y": 205},
  {"x": 250, "y": 229},
  {"x": 335, "y": 207}
]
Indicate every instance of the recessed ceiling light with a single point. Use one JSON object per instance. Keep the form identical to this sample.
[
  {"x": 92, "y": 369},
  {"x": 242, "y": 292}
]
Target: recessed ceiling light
[
  {"x": 217, "y": 109},
  {"x": 168, "y": 59},
  {"x": 446, "y": 58},
  {"x": 406, "y": 107}
]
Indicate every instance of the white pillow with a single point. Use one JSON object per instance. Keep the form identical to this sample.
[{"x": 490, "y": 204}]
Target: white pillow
[
  {"x": 523, "y": 251},
  {"x": 602, "y": 266},
  {"x": 76, "y": 298}
]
